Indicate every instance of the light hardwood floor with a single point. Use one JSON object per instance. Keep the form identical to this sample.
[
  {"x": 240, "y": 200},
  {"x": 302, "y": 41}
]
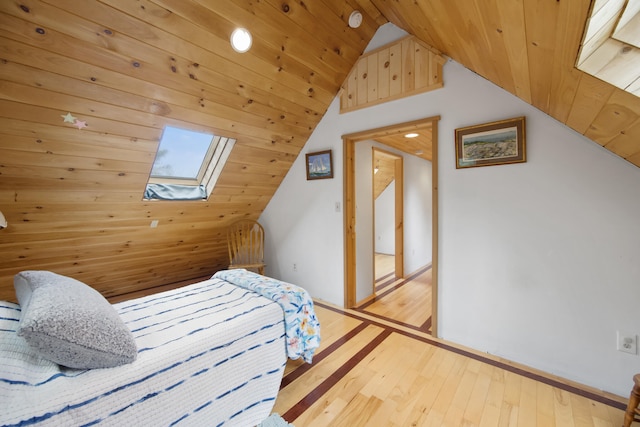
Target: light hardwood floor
[
  {"x": 404, "y": 301},
  {"x": 379, "y": 366},
  {"x": 371, "y": 372}
]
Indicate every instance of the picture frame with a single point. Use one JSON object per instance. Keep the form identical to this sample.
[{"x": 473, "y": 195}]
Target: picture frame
[
  {"x": 319, "y": 165},
  {"x": 495, "y": 143}
]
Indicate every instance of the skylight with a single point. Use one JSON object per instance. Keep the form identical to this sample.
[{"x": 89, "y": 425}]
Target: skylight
[
  {"x": 609, "y": 50},
  {"x": 628, "y": 27},
  {"x": 181, "y": 154},
  {"x": 187, "y": 164}
]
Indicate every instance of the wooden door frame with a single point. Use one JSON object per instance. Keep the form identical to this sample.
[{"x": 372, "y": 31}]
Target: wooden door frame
[{"x": 349, "y": 156}]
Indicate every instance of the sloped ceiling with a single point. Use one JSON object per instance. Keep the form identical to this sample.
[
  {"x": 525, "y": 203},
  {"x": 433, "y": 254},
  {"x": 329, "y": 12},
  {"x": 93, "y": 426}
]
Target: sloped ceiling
[
  {"x": 529, "y": 48},
  {"x": 73, "y": 197}
]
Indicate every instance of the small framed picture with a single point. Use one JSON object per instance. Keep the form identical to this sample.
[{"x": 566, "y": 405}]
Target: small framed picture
[
  {"x": 319, "y": 165},
  {"x": 494, "y": 143}
]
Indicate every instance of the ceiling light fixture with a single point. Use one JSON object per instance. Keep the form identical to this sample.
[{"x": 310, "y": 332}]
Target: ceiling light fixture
[
  {"x": 241, "y": 40},
  {"x": 411, "y": 135},
  {"x": 355, "y": 19}
]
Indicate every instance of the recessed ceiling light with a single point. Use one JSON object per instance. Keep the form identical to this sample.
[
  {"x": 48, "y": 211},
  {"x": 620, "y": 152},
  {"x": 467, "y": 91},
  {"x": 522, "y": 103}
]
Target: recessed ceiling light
[
  {"x": 411, "y": 135},
  {"x": 241, "y": 40}
]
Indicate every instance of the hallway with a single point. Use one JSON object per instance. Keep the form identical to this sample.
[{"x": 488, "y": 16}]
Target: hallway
[{"x": 405, "y": 301}]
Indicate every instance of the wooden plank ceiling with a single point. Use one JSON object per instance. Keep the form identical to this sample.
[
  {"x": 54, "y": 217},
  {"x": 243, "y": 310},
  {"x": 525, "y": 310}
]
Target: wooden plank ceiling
[
  {"x": 73, "y": 197},
  {"x": 529, "y": 48}
]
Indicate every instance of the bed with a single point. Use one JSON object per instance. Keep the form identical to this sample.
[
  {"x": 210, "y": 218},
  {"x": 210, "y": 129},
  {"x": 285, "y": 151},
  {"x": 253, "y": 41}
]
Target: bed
[{"x": 211, "y": 354}]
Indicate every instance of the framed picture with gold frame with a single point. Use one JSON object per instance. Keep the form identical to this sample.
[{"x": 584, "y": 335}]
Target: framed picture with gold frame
[{"x": 494, "y": 143}]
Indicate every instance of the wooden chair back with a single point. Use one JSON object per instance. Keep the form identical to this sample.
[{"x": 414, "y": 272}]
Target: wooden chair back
[
  {"x": 632, "y": 414},
  {"x": 245, "y": 239}
]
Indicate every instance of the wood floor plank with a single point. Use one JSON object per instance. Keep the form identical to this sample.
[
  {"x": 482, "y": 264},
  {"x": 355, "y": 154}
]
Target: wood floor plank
[
  {"x": 562, "y": 408},
  {"x": 408, "y": 398},
  {"x": 338, "y": 384},
  {"x": 527, "y": 414},
  {"x": 613, "y": 415},
  {"x": 329, "y": 414},
  {"x": 544, "y": 405},
  {"x": 359, "y": 412},
  {"x": 493, "y": 404},
  {"x": 601, "y": 415},
  {"x": 291, "y": 395},
  {"x": 386, "y": 411},
  {"x": 581, "y": 412},
  {"x": 477, "y": 398},
  {"x": 451, "y": 385},
  {"x": 510, "y": 408},
  {"x": 461, "y": 399}
]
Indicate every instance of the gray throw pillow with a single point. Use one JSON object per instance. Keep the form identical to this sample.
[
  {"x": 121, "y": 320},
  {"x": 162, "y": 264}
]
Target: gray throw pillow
[{"x": 70, "y": 323}]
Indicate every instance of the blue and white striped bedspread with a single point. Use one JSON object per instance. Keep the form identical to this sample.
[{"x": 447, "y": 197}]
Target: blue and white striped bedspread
[
  {"x": 301, "y": 324},
  {"x": 209, "y": 354}
]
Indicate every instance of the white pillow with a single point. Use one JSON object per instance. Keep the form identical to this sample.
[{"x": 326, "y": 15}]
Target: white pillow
[{"x": 70, "y": 323}]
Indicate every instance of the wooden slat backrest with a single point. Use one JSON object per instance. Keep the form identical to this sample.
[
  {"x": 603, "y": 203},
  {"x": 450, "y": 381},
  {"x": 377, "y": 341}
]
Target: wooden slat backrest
[{"x": 246, "y": 244}]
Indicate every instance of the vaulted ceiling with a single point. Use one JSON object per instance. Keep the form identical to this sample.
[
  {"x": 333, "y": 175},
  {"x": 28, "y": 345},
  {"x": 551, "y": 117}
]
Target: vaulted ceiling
[
  {"x": 530, "y": 49},
  {"x": 127, "y": 68}
]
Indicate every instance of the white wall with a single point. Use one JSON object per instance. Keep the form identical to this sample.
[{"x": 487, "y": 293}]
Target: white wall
[
  {"x": 385, "y": 225},
  {"x": 539, "y": 261},
  {"x": 365, "y": 276},
  {"x": 418, "y": 189}
]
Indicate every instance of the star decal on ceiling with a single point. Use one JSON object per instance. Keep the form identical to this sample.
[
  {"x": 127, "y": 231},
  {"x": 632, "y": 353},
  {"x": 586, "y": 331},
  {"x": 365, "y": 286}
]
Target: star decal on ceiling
[
  {"x": 68, "y": 118},
  {"x": 80, "y": 124}
]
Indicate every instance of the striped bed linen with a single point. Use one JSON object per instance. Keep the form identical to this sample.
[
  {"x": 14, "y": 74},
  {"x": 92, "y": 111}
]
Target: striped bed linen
[{"x": 209, "y": 354}]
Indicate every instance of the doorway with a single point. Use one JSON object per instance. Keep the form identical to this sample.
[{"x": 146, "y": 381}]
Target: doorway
[
  {"x": 388, "y": 211},
  {"x": 393, "y": 136}
]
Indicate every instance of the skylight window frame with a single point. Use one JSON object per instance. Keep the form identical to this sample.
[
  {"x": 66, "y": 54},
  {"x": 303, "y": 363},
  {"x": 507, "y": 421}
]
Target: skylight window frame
[
  {"x": 602, "y": 55},
  {"x": 215, "y": 158}
]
